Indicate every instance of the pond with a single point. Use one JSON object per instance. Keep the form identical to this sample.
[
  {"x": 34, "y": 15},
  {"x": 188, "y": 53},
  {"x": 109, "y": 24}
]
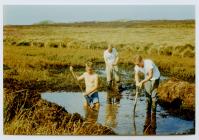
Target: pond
[{"x": 116, "y": 111}]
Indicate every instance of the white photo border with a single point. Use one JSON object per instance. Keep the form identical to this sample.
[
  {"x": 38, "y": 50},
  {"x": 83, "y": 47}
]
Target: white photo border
[{"x": 98, "y": 2}]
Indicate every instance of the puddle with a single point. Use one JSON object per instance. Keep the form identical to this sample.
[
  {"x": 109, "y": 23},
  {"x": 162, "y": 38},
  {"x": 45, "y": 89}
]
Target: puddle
[
  {"x": 127, "y": 75},
  {"x": 116, "y": 111}
]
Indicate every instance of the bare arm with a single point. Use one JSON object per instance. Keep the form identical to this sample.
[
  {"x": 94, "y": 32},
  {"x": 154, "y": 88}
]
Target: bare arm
[
  {"x": 137, "y": 78},
  {"x": 149, "y": 76},
  {"x": 79, "y": 78},
  {"x": 94, "y": 88}
]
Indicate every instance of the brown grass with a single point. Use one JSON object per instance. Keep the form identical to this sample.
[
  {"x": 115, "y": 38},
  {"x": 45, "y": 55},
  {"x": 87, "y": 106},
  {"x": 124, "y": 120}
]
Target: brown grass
[
  {"x": 179, "y": 95},
  {"x": 25, "y": 113}
]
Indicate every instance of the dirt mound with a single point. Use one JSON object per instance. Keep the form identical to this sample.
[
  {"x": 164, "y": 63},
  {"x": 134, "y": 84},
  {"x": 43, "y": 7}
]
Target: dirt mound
[
  {"x": 179, "y": 96},
  {"x": 16, "y": 85}
]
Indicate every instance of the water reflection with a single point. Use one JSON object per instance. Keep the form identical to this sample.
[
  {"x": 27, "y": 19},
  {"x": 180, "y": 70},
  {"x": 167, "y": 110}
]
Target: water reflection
[
  {"x": 117, "y": 111},
  {"x": 91, "y": 115},
  {"x": 149, "y": 126},
  {"x": 111, "y": 110},
  {"x": 150, "y": 123},
  {"x": 134, "y": 126}
]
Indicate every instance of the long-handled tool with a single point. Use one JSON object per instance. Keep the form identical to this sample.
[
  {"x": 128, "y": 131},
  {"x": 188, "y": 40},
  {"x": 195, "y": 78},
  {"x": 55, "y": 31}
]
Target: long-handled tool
[
  {"x": 136, "y": 96},
  {"x": 76, "y": 80}
]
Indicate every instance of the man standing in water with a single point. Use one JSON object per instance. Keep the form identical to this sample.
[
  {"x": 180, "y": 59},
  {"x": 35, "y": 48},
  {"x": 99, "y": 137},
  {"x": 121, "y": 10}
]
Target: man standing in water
[
  {"x": 150, "y": 82},
  {"x": 91, "y": 81},
  {"x": 111, "y": 59}
]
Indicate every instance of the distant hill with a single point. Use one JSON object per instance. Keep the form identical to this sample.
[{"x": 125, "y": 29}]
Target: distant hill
[
  {"x": 45, "y": 22},
  {"x": 127, "y": 23},
  {"x": 122, "y": 23}
]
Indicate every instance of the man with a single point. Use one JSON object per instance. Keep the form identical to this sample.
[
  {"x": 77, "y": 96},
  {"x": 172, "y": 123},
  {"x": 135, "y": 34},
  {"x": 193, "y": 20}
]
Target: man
[
  {"x": 111, "y": 59},
  {"x": 91, "y": 82},
  {"x": 150, "y": 82}
]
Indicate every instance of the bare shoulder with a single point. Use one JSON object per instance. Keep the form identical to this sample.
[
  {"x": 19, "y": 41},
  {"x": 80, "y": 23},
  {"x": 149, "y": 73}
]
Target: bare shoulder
[{"x": 84, "y": 74}]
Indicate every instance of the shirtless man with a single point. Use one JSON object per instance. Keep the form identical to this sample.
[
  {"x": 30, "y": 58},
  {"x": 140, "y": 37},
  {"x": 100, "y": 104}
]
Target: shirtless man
[{"x": 91, "y": 82}]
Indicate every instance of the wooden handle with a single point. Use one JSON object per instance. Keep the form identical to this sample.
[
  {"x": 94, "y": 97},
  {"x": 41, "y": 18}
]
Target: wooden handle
[{"x": 75, "y": 78}]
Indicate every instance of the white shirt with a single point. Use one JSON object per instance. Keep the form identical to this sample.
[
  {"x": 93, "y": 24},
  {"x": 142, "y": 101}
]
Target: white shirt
[
  {"x": 110, "y": 57},
  {"x": 148, "y": 65}
]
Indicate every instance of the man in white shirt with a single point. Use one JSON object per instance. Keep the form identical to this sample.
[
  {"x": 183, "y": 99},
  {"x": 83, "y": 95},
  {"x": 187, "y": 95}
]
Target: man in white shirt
[
  {"x": 150, "y": 82},
  {"x": 111, "y": 59}
]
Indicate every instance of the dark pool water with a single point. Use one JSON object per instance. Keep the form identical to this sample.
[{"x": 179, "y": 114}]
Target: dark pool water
[{"x": 116, "y": 111}]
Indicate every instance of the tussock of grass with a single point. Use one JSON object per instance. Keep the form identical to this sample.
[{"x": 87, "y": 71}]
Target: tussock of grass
[
  {"x": 178, "y": 95},
  {"x": 174, "y": 89}
]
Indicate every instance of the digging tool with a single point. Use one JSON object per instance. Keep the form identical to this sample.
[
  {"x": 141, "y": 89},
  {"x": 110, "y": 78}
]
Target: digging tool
[
  {"x": 136, "y": 96},
  {"x": 76, "y": 80},
  {"x": 134, "y": 127}
]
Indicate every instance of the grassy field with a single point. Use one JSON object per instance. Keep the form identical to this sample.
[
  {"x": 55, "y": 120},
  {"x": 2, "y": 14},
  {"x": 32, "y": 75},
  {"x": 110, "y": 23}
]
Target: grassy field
[
  {"x": 172, "y": 47},
  {"x": 38, "y": 63},
  {"x": 37, "y": 57}
]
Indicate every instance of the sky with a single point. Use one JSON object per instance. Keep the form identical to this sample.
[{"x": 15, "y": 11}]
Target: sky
[{"x": 30, "y": 14}]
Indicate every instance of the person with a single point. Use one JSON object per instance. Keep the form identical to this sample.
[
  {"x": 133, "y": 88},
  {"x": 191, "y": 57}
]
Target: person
[
  {"x": 150, "y": 81},
  {"x": 91, "y": 82},
  {"x": 111, "y": 59}
]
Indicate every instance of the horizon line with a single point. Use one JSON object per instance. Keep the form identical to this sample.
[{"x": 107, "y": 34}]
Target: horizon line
[{"x": 90, "y": 21}]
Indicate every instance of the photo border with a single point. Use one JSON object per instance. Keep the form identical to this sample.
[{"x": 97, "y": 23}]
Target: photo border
[{"x": 99, "y": 2}]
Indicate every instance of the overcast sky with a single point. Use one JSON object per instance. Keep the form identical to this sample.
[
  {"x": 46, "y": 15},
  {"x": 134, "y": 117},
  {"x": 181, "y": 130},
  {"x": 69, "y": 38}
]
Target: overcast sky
[{"x": 29, "y": 14}]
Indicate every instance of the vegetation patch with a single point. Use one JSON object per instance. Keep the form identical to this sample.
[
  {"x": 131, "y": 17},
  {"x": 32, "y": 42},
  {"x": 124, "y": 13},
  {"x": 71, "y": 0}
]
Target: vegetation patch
[{"x": 179, "y": 97}]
